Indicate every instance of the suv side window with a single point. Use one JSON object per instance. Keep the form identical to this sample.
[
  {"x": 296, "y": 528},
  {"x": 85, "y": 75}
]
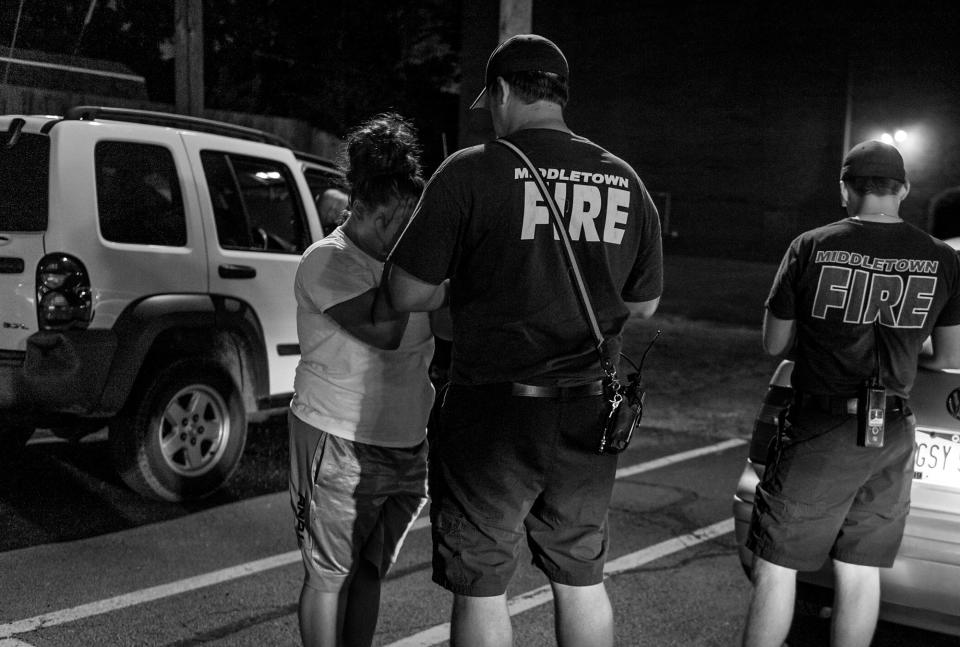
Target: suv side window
[
  {"x": 329, "y": 196},
  {"x": 254, "y": 206},
  {"x": 138, "y": 195}
]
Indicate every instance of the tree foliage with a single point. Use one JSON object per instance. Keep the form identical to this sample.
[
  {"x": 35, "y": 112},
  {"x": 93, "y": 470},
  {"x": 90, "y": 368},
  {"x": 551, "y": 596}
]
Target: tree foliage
[{"x": 331, "y": 63}]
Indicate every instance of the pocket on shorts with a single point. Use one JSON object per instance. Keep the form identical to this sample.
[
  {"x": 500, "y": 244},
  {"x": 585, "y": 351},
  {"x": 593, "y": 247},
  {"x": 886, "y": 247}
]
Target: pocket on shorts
[
  {"x": 316, "y": 462},
  {"x": 809, "y": 467},
  {"x": 461, "y": 407},
  {"x": 335, "y": 465},
  {"x": 447, "y": 522}
]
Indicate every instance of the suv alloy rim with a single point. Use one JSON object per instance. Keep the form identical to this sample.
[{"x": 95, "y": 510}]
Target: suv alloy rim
[{"x": 194, "y": 430}]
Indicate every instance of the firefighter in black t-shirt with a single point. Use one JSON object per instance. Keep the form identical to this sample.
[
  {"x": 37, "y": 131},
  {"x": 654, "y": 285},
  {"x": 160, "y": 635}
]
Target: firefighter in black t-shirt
[
  {"x": 854, "y": 301},
  {"x": 516, "y": 456}
]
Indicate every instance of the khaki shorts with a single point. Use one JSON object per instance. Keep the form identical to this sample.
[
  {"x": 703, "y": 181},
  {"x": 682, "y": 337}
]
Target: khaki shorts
[{"x": 351, "y": 500}]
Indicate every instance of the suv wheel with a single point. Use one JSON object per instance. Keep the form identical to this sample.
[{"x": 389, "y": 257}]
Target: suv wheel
[{"x": 182, "y": 433}]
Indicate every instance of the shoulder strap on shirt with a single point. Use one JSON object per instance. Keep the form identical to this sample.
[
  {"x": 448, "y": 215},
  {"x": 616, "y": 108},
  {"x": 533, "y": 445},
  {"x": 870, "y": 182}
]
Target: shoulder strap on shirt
[{"x": 580, "y": 285}]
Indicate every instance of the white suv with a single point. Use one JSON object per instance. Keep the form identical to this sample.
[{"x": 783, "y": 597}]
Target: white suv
[{"x": 146, "y": 283}]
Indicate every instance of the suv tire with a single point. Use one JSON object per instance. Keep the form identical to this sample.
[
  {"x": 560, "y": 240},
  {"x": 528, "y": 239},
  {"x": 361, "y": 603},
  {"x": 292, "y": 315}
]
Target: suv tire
[{"x": 182, "y": 433}]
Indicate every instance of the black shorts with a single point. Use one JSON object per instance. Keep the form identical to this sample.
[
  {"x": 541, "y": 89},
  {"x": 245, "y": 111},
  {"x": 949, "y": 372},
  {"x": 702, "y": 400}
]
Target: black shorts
[
  {"x": 505, "y": 467},
  {"x": 823, "y": 496}
]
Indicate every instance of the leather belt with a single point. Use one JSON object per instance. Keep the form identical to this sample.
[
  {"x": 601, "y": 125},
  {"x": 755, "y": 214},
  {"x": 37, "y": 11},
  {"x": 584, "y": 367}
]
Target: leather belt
[
  {"x": 578, "y": 391},
  {"x": 839, "y": 406}
]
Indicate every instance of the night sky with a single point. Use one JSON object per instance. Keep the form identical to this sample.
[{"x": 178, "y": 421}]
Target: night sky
[{"x": 738, "y": 110}]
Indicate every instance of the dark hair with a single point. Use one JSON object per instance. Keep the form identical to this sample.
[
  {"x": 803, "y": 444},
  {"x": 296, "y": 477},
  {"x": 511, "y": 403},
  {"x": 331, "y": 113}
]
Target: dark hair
[
  {"x": 537, "y": 86},
  {"x": 381, "y": 159},
  {"x": 876, "y": 185}
]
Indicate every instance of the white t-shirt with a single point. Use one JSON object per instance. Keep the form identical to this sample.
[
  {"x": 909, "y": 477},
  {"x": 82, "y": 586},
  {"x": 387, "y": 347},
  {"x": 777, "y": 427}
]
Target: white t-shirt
[{"x": 343, "y": 385}]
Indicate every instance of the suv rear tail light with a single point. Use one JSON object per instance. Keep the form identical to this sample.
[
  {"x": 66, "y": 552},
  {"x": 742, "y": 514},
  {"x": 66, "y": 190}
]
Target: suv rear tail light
[{"x": 64, "y": 299}]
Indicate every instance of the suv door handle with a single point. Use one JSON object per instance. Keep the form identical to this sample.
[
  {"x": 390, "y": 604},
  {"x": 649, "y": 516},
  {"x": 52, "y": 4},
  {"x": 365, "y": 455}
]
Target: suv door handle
[{"x": 236, "y": 272}]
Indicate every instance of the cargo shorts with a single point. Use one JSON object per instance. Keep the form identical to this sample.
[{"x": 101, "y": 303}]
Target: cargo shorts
[
  {"x": 352, "y": 501},
  {"x": 506, "y": 468},
  {"x": 823, "y": 496}
]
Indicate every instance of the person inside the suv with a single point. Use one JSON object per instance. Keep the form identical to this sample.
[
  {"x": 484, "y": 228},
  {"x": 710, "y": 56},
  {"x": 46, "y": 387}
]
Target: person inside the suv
[
  {"x": 331, "y": 207},
  {"x": 358, "y": 450}
]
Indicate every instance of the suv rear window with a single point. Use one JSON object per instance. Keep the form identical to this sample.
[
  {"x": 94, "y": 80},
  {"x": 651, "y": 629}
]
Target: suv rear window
[
  {"x": 24, "y": 181},
  {"x": 138, "y": 195}
]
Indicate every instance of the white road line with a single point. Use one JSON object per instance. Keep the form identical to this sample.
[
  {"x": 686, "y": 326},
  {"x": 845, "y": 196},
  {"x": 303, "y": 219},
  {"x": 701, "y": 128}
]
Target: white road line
[
  {"x": 147, "y": 595},
  {"x": 217, "y": 577},
  {"x": 539, "y": 596},
  {"x": 420, "y": 523},
  {"x": 677, "y": 458},
  {"x": 13, "y": 642}
]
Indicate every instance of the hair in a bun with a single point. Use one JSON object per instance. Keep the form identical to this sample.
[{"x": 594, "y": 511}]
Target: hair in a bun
[{"x": 381, "y": 159}]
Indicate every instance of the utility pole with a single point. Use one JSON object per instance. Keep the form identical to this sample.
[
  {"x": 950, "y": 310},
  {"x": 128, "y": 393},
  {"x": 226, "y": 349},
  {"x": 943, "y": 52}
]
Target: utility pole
[
  {"x": 516, "y": 17},
  {"x": 847, "y": 104},
  {"x": 188, "y": 49},
  {"x": 513, "y": 17}
]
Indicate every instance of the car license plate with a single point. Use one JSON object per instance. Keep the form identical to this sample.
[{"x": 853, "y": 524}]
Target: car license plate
[{"x": 937, "y": 459}]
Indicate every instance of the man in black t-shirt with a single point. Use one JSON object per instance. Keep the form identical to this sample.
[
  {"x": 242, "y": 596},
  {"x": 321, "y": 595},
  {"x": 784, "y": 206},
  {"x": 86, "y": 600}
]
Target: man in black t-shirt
[
  {"x": 520, "y": 424},
  {"x": 854, "y": 301}
]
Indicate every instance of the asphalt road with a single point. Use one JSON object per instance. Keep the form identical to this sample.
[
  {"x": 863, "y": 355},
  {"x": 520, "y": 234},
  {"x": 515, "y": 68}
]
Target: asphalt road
[
  {"x": 84, "y": 561},
  {"x": 227, "y": 573}
]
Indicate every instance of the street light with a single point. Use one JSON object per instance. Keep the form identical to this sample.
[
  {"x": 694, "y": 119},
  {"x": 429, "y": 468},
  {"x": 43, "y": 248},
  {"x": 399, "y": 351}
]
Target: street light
[{"x": 898, "y": 138}]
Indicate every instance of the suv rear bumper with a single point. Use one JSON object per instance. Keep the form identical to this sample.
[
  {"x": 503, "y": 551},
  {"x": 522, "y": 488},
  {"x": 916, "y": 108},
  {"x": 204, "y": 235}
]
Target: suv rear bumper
[{"x": 60, "y": 373}]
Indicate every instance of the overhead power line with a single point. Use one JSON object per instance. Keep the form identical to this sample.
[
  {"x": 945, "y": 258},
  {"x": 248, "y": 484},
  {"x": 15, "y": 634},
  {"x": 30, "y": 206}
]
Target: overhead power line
[{"x": 13, "y": 41}]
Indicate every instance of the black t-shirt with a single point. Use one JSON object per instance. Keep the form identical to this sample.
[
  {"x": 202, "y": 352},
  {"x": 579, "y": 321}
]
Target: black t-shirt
[
  {"x": 482, "y": 223},
  {"x": 837, "y": 280}
]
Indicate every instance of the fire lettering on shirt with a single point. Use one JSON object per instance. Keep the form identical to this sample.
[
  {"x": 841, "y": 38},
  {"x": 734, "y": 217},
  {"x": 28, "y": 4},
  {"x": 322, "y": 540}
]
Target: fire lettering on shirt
[
  {"x": 920, "y": 266},
  {"x": 586, "y": 206},
  {"x": 865, "y": 297},
  {"x": 564, "y": 175}
]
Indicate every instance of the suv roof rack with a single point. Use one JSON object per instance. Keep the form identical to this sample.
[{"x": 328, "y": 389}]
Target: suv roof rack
[{"x": 154, "y": 118}]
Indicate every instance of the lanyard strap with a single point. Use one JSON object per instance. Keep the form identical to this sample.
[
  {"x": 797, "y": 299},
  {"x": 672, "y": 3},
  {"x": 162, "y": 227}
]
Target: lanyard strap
[
  {"x": 876, "y": 351},
  {"x": 576, "y": 276}
]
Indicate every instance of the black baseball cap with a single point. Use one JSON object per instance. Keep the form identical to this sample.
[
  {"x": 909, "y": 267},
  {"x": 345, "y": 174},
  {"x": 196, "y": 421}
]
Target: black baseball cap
[
  {"x": 522, "y": 53},
  {"x": 873, "y": 159}
]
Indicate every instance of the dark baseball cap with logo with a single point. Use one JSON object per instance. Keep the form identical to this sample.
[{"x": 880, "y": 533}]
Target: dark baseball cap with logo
[
  {"x": 522, "y": 53},
  {"x": 873, "y": 159}
]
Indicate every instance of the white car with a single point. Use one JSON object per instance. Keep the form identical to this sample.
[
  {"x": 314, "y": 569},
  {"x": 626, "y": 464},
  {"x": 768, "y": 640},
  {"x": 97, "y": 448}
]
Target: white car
[
  {"x": 146, "y": 283},
  {"x": 923, "y": 587}
]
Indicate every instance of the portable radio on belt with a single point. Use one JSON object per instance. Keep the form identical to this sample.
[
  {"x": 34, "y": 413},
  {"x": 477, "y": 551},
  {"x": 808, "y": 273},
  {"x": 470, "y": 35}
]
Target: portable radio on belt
[{"x": 872, "y": 403}]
